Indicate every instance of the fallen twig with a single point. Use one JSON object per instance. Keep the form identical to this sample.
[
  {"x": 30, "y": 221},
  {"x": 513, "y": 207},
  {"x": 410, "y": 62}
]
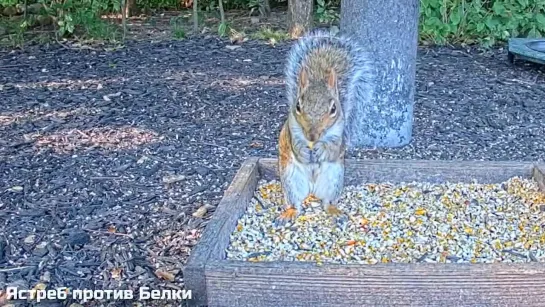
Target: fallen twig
[
  {"x": 109, "y": 233},
  {"x": 14, "y": 269}
]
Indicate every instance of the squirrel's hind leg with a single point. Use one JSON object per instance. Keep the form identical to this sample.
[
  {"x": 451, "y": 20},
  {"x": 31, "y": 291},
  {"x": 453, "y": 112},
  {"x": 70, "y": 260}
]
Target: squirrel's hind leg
[
  {"x": 295, "y": 187},
  {"x": 329, "y": 186}
]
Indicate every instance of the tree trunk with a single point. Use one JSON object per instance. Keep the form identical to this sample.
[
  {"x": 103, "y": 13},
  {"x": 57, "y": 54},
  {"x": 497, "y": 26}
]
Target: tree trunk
[
  {"x": 124, "y": 18},
  {"x": 388, "y": 29},
  {"x": 195, "y": 17},
  {"x": 299, "y": 17},
  {"x": 130, "y": 8},
  {"x": 222, "y": 11}
]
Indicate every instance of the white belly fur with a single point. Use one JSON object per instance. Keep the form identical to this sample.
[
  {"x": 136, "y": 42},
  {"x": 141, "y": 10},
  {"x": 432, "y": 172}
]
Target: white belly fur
[{"x": 325, "y": 180}]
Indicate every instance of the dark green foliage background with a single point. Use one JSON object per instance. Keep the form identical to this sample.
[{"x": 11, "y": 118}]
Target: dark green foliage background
[
  {"x": 484, "y": 22},
  {"x": 480, "y": 21}
]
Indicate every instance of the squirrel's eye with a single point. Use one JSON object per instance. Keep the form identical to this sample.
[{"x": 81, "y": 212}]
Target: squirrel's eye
[
  {"x": 333, "y": 109},
  {"x": 298, "y": 106}
]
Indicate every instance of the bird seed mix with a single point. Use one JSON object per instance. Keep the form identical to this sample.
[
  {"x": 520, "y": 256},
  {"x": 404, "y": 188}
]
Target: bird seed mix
[{"x": 400, "y": 223}]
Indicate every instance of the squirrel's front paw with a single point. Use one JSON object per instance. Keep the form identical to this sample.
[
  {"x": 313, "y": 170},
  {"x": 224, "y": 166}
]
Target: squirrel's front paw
[
  {"x": 318, "y": 152},
  {"x": 305, "y": 155},
  {"x": 287, "y": 215}
]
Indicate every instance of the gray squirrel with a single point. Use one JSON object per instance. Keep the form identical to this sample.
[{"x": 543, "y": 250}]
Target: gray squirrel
[{"x": 328, "y": 78}]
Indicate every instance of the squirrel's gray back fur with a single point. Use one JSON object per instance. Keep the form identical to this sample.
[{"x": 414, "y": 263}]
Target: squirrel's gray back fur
[{"x": 355, "y": 85}]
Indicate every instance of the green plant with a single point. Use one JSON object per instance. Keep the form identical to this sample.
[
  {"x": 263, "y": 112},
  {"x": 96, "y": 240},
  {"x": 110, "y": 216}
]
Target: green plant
[
  {"x": 82, "y": 17},
  {"x": 486, "y": 22},
  {"x": 176, "y": 24},
  {"x": 253, "y": 5},
  {"x": 94, "y": 27},
  {"x": 326, "y": 12},
  {"x": 17, "y": 31},
  {"x": 223, "y": 28},
  {"x": 270, "y": 35}
]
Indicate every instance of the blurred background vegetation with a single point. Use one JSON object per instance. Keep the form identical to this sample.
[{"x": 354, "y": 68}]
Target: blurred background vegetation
[{"x": 484, "y": 22}]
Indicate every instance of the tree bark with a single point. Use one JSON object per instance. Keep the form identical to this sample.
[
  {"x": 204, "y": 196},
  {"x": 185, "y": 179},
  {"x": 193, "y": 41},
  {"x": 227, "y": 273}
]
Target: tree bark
[
  {"x": 195, "y": 16},
  {"x": 388, "y": 29},
  {"x": 299, "y": 17},
  {"x": 222, "y": 11},
  {"x": 130, "y": 8},
  {"x": 124, "y": 18}
]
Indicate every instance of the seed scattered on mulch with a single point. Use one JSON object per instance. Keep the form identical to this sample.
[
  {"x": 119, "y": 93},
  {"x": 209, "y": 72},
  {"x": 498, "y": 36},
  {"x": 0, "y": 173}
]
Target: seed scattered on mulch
[
  {"x": 102, "y": 138},
  {"x": 402, "y": 223}
]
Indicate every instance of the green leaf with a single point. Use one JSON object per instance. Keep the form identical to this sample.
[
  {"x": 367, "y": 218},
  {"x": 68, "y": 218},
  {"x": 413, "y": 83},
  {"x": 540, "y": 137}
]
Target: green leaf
[
  {"x": 512, "y": 24},
  {"x": 424, "y": 4},
  {"x": 534, "y": 33},
  {"x": 491, "y": 23},
  {"x": 523, "y": 3},
  {"x": 455, "y": 17},
  {"x": 540, "y": 18},
  {"x": 435, "y": 3},
  {"x": 477, "y": 5},
  {"x": 443, "y": 11},
  {"x": 434, "y": 21},
  {"x": 498, "y": 8},
  {"x": 222, "y": 29},
  {"x": 70, "y": 28},
  {"x": 427, "y": 12}
]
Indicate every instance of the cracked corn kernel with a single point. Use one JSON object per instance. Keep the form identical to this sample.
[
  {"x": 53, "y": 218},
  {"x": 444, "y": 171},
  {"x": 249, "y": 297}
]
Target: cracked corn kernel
[
  {"x": 415, "y": 222},
  {"x": 420, "y": 211}
]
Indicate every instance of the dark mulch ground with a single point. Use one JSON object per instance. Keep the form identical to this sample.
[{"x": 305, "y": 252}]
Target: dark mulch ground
[{"x": 105, "y": 156}]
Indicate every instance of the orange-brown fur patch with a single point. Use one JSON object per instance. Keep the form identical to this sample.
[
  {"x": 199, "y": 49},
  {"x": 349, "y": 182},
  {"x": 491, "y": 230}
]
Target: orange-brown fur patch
[
  {"x": 303, "y": 78},
  {"x": 288, "y": 214},
  {"x": 332, "y": 79},
  {"x": 284, "y": 147}
]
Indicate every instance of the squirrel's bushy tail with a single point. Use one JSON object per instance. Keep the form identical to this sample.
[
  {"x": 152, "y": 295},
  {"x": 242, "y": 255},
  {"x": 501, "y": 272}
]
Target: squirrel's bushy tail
[{"x": 355, "y": 84}]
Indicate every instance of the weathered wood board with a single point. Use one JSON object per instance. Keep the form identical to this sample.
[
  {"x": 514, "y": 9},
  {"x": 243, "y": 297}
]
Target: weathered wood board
[{"x": 215, "y": 281}]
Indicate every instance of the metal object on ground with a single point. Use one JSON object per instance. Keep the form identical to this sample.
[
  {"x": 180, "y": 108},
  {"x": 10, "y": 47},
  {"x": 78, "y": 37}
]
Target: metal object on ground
[{"x": 527, "y": 49}]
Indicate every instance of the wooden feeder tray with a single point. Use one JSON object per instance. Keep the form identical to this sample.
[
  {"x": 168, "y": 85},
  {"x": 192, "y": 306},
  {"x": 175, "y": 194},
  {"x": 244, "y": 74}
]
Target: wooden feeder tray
[{"x": 216, "y": 281}]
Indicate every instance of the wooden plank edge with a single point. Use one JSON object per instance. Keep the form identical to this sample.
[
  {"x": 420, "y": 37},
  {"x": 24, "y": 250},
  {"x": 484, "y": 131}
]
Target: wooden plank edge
[
  {"x": 538, "y": 174},
  {"x": 427, "y": 170},
  {"x": 235, "y": 205},
  {"x": 257, "y": 283},
  {"x": 420, "y": 163},
  {"x": 194, "y": 270},
  {"x": 351, "y": 270}
]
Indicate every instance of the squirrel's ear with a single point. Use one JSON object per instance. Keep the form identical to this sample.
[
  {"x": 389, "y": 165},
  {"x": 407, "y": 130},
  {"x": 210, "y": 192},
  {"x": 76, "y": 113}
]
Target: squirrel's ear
[
  {"x": 303, "y": 78},
  {"x": 332, "y": 80}
]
